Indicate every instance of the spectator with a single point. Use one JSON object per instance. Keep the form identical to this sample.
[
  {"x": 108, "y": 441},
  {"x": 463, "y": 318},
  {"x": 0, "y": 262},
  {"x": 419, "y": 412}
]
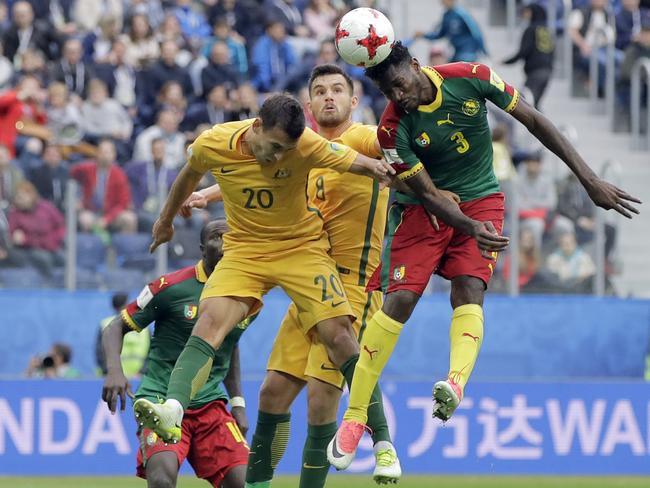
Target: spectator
[
  {"x": 536, "y": 195},
  {"x": 152, "y": 9},
  {"x": 502, "y": 160},
  {"x": 63, "y": 117},
  {"x": 32, "y": 63},
  {"x": 10, "y": 177},
  {"x": 272, "y": 57},
  {"x": 6, "y": 70},
  {"x": 141, "y": 45},
  {"x": 246, "y": 17},
  {"x": 320, "y": 18},
  {"x": 98, "y": 44},
  {"x": 295, "y": 79},
  {"x": 166, "y": 69},
  {"x": 72, "y": 70},
  {"x": 288, "y": 14},
  {"x": 37, "y": 229},
  {"x": 106, "y": 197},
  {"x": 51, "y": 177},
  {"x": 8, "y": 257},
  {"x": 438, "y": 55},
  {"x": 118, "y": 75},
  {"x": 223, "y": 33},
  {"x": 571, "y": 267},
  {"x": 135, "y": 345},
  {"x": 166, "y": 128},
  {"x": 589, "y": 28},
  {"x": 26, "y": 33},
  {"x": 536, "y": 50},
  {"x": 628, "y": 23},
  {"x": 529, "y": 261},
  {"x": 217, "y": 110},
  {"x": 193, "y": 24},
  {"x": 640, "y": 48},
  {"x": 59, "y": 14},
  {"x": 576, "y": 214},
  {"x": 247, "y": 103},
  {"x": 461, "y": 29},
  {"x": 171, "y": 97},
  {"x": 363, "y": 113},
  {"x": 219, "y": 70},
  {"x": 88, "y": 13},
  {"x": 170, "y": 30},
  {"x": 55, "y": 364},
  {"x": 21, "y": 112},
  {"x": 104, "y": 117},
  {"x": 146, "y": 178}
]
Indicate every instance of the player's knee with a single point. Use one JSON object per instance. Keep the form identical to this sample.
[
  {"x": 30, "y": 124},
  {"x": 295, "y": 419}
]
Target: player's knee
[
  {"x": 341, "y": 345},
  {"x": 467, "y": 290},
  {"x": 277, "y": 393},
  {"x": 161, "y": 479},
  {"x": 399, "y": 305},
  {"x": 322, "y": 404}
]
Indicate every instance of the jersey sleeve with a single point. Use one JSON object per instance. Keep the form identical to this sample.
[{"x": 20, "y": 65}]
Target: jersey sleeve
[
  {"x": 393, "y": 135},
  {"x": 493, "y": 88},
  {"x": 365, "y": 141},
  {"x": 322, "y": 153},
  {"x": 203, "y": 154},
  {"x": 142, "y": 311}
]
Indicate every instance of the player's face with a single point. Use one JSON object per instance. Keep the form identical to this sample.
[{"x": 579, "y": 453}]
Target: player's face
[
  {"x": 401, "y": 85},
  {"x": 212, "y": 249},
  {"x": 331, "y": 100},
  {"x": 269, "y": 145}
]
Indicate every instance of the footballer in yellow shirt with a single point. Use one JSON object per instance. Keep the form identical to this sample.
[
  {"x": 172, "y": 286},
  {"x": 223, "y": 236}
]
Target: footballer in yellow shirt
[{"x": 262, "y": 166}]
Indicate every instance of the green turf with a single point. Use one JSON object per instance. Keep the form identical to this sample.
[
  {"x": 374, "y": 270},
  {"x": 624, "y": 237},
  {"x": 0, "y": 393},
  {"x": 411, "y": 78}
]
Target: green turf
[{"x": 353, "y": 482}]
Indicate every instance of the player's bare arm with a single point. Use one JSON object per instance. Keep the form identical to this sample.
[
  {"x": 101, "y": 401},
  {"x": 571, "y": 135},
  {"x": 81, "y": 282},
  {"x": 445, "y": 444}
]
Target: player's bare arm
[
  {"x": 184, "y": 184},
  {"x": 601, "y": 192},
  {"x": 200, "y": 199},
  {"x": 115, "y": 383},
  {"x": 437, "y": 204},
  {"x": 232, "y": 382},
  {"x": 373, "y": 168},
  {"x": 402, "y": 187}
]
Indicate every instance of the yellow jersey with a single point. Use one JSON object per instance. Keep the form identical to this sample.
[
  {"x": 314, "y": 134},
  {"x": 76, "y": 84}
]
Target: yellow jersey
[
  {"x": 266, "y": 205},
  {"x": 353, "y": 210}
]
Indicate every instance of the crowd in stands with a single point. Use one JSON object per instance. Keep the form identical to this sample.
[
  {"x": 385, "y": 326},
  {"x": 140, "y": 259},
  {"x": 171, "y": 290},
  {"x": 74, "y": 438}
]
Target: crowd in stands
[{"x": 110, "y": 93}]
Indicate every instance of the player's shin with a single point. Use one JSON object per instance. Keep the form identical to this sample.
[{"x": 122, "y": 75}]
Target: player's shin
[
  {"x": 466, "y": 336},
  {"x": 314, "y": 456},
  {"x": 376, "y": 347},
  {"x": 267, "y": 448},
  {"x": 191, "y": 370}
]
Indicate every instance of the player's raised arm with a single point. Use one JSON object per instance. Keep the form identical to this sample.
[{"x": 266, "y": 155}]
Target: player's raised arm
[
  {"x": 601, "y": 192},
  {"x": 184, "y": 184},
  {"x": 200, "y": 199},
  {"x": 373, "y": 168},
  {"x": 116, "y": 385}
]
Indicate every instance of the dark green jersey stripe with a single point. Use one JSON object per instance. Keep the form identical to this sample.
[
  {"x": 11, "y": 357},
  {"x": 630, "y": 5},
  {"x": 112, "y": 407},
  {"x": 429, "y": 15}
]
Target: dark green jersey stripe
[
  {"x": 364, "y": 317},
  {"x": 363, "y": 264}
]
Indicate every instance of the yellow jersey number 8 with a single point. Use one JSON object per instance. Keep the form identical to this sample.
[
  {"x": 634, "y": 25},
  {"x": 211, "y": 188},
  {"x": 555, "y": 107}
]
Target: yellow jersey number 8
[{"x": 459, "y": 138}]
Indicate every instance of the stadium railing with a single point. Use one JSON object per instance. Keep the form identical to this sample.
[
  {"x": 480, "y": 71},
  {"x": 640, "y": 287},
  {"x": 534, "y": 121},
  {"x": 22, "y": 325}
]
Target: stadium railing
[{"x": 641, "y": 68}]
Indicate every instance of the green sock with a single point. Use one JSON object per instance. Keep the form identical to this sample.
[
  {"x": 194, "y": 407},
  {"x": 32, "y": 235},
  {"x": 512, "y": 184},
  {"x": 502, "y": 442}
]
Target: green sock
[
  {"x": 376, "y": 418},
  {"x": 269, "y": 443},
  {"x": 191, "y": 370},
  {"x": 314, "y": 455}
]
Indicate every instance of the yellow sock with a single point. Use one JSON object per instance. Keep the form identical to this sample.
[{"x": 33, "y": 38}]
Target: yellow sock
[
  {"x": 466, "y": 336},
  {"x": 377, "y": 345}
]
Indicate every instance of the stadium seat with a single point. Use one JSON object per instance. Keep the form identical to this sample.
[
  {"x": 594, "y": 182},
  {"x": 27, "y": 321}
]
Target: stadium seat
[
  {"x": 86, "y": 279},
  {"x": 21, "y": 278},
  {"x": 132, "y": 251},
  {"x": 123, "y": 279},
  {"x": 91, "y": 252}
]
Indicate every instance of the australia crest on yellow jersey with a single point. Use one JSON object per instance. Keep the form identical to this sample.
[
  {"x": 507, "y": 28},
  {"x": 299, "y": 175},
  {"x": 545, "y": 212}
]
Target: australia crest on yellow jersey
[{"x": 338, "y": 149}]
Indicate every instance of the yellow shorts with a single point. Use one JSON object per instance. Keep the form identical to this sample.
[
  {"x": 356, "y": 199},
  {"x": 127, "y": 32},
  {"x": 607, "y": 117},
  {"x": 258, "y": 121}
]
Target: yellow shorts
[
  {"x": 301, "y": 355},
  {"x": 307, "y": 274}
]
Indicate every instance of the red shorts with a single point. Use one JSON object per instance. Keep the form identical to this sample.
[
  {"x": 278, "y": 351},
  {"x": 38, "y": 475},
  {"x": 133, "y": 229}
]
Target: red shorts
[
  {"x": 415, "y": 250},
  {"x": 211, "y": 442}
]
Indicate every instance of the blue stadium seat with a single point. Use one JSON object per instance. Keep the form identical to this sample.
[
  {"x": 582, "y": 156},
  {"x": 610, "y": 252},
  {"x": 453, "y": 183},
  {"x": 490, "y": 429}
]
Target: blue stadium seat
[
  {"x": 22, "y": 278},
  {"x": 91, "y": 252},
  {"x": 132, "y": 251},
  {"x": 86, "y": 279},
  {"x": 123, "y": 279}
]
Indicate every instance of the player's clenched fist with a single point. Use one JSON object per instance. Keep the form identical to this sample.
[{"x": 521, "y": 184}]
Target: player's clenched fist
[{"x": 195, "y": 200}]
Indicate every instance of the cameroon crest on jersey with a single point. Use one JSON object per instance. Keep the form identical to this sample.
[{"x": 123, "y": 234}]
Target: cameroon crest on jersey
[
  {"x": 190, "y": 311},
  {"x": 423, "y": 140}
]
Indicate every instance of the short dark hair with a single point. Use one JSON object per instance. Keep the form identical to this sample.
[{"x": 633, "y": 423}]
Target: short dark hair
[
  {"x": 329, "y": 69},
  {"x": 399, "y": 55},
  {"x": 284, "y": 112},
  {"x": 63, "y": 350},
  {"x": 119, "y": 299},
  {"x": 220, "y": 224}
]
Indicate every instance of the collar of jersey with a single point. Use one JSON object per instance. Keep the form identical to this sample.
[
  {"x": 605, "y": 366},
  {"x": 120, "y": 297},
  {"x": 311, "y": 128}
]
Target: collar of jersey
[
  {"x": 200, "y": 272},
  {"x": 437, "y": 79}
]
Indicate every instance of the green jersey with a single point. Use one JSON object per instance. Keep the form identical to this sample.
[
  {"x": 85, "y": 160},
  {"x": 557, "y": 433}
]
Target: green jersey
[
  {"x": 450, "y": 137},
  {"x": 172, "y": 301}
]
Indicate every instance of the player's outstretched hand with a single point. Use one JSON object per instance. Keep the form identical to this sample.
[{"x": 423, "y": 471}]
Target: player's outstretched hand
[
  {"x": 239, "y": 413},
  {"x": 116, "y": 386},
  {"x": 488, "y": 238},
  {"x": 608, "y": 196},
  {"x": 195, "y": 200},
  {"x": 162, "y": 232}
]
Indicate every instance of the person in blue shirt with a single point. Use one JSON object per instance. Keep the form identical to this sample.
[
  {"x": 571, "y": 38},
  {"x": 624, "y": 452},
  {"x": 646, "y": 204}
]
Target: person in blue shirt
[
  {"x": 461, "y": 30},
  {"x": 272, "y": 57}
]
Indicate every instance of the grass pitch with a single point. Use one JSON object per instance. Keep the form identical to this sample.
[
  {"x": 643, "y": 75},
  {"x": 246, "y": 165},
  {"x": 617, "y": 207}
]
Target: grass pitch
[{"x": 343, "y": 481}]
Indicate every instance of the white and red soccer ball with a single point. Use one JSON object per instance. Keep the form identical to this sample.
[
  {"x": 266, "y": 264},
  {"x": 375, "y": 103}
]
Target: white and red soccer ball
[{"x": 364, "y": 37}]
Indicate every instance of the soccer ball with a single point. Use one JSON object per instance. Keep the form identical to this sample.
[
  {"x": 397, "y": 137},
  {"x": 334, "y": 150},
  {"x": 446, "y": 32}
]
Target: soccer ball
[{"x": 364, "y": 37}]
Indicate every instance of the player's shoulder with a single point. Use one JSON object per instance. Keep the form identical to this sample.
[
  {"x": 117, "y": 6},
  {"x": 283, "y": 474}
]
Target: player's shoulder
[
  {"x": 220, "y": 137},
  {"x": 388, "y": 124},
  {"x": 169, "y": 280},
  {"x": 463, "y": 69}
]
